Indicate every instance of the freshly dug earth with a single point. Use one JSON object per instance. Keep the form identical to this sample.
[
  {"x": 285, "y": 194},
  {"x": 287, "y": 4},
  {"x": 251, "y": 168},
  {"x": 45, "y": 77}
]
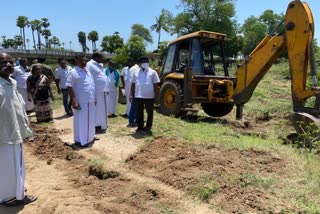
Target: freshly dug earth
[
  {"x": 116, "y": 194},
  {"x": 239, "y": 181},
  {"x": 165, "y": 176}
]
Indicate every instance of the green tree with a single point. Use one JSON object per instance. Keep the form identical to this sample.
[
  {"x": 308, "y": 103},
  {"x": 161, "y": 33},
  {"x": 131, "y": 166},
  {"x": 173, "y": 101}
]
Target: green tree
[
  {"x": 111, "y": 43},
  {"x": 18, "y": 42},
  {"x": 83, "y": 40},
  {"x": 38, "y": 27},
  {"x": 255, "y": 29},
  {"x": 22, "y": 22},
  {"x": 135, "y": 47},
  {"x": 212, "y": 15},
  {"x": 32, "y": 24},
  {"x": 46, "y": 33},
  {"x": 161, "y": 24},
  {"x": 54, "y": 41},
  {"x": 140, "y": 30},
  {"x": 93, "y": 37}
]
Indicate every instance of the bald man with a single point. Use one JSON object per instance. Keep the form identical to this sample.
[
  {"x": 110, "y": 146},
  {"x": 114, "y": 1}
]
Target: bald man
[{"x": 14, "y": 128}]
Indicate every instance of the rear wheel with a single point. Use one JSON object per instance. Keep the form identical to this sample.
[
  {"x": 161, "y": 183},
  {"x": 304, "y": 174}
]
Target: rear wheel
[
  {"x": 217, "y": 109},
  {"x": 171, "y": 96}
]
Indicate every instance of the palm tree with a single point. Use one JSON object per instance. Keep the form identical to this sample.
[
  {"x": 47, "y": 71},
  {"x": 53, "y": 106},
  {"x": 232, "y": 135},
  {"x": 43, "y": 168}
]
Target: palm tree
[
  {"x": 37, "y": 25},
  {"x": 33, "y": 25},
  {"x": 93, "y": 37},
  {"x": 28, "y": 40},
  {"x": 46, "y": 33},
  {"x": 22, "y": 22},
  {"x": 18, "y": 41},
  {"x": 161, "y": 23},
  {"x": 82, "y": 40}
]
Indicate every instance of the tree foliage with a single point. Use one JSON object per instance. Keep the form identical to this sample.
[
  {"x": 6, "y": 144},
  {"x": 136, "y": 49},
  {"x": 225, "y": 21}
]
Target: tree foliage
[
  {"x": 162, "y": 23},
  {"x": 211, "y": 15},
  {"x": 255, "y": 29},
  {"x": 140, "y": 30},
  {"x": 82, "y": 40},
  {"x": 22, "y": 22},
  {"x": 111, "y": 43},
  {"x": 93, "y": 36}
]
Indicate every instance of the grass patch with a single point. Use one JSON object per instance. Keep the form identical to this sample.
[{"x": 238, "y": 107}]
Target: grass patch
[
  {"x": 96, "y": 168},
  {"x": 246, "y": 180},
  {"x": 206, "y": 187}
]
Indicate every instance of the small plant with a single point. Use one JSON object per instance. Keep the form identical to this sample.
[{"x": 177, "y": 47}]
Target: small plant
[
  {"x": 72, "y": 155},
  {"x": 308, "y": 136},
  {"x": 246, "y": 180},
  {"x": 207, "y": 187},
  {"x": 96, "y": 168}
]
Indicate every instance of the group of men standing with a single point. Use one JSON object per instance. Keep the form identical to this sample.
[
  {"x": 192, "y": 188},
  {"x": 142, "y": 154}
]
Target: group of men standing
[{"x": 91, "y": 89}]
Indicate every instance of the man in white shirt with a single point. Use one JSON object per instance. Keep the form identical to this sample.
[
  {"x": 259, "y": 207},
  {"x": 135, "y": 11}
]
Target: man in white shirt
[
  {"x": 144, "y": 87},
  {"x": 81, "y": 89},
  {"x": 61, "y": 75},
  {"x": 113, "y": 83},
  {"x": 14, "y": 128},
  {"x": 21, "y": 74},
  {"x": 101, "y": 81},
  {"x": 126, "y": 76}
]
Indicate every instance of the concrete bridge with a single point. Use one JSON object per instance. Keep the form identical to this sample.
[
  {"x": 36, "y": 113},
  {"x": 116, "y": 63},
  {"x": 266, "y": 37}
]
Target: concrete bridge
[{"x": 52, "y": 54}]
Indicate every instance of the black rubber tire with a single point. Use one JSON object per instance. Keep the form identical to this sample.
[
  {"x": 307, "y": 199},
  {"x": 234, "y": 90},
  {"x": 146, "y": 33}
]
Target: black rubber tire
[
  {"x": 171, "y": 96},
  {"x": 217, "y": 109}
]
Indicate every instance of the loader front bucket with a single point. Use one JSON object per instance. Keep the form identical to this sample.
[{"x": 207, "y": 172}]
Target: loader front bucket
[{"x": 307, "y": 127}]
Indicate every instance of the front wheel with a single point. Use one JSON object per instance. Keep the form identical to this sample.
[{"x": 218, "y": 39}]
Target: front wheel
[
  {"x": 217, "y": 109},
  {"x": 171, "y": 95}
]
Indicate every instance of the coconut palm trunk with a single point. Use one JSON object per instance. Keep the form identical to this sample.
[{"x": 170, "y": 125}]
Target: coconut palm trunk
[
  {"x": 34, "y": 40},
  {"x": 24, "y": 39}
]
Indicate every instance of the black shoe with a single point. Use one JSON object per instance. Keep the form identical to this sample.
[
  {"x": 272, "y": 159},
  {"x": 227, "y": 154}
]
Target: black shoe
[
  {"x": 96, "y": 138},
  {"x": 112, "y": 115}
]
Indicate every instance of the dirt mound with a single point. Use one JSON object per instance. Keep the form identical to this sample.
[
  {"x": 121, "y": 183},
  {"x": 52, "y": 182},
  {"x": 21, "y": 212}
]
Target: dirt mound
[
  {"x": 47, "y": 145},
  {"x": 233, "y": 180},
  {"x": 110, "y": 192}
]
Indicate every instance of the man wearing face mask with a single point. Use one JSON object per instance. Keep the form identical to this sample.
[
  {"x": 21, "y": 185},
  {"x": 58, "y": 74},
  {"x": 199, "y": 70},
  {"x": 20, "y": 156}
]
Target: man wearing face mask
[
  {"x": 144, "y": 87},
  {"x": 81, "y": 88},
  {"x": 113, "y": 84}
]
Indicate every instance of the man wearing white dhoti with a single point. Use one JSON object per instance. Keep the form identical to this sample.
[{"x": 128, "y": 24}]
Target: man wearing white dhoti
[
  {"x": 101, "y": 93},
  {"x": 20, "y": 74},
  {"x": 14, "y": 127},
  {"x": 113, "y": 82},
  {"x": 81, "y": 89}
]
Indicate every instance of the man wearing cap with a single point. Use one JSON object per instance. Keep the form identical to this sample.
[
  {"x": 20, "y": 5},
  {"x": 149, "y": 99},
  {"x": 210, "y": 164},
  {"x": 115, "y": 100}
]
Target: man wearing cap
[
  {"x": 144, "y": 87},
  {"x": 100, "y": 79}
]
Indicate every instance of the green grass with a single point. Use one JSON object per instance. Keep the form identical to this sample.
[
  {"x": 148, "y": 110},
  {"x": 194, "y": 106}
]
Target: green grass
[{"x": 206, "y": 187}]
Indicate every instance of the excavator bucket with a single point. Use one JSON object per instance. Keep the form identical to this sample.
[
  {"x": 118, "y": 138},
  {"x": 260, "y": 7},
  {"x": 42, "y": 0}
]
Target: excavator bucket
[{"x": 307, "y": 127}]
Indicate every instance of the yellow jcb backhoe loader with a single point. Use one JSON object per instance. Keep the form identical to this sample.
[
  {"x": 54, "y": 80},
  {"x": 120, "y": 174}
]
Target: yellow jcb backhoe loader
[{"x": 196, "y": 71}]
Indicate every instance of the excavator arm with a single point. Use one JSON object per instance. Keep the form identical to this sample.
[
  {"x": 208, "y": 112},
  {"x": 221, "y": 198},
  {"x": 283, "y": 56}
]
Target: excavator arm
[{"x": 297, "y": 39}]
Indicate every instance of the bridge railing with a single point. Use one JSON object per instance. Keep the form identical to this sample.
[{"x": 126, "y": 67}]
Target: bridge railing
[{"x": 45, "y": 53}]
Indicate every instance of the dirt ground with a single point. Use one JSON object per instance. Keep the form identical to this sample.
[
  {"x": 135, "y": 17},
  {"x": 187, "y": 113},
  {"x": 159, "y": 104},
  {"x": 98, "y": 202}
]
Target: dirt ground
[{"x": 163, "y": 176}]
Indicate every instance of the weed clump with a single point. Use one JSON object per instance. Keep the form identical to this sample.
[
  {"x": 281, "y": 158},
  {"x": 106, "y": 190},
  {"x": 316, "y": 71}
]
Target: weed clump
[{"x": 96, "y": 168}]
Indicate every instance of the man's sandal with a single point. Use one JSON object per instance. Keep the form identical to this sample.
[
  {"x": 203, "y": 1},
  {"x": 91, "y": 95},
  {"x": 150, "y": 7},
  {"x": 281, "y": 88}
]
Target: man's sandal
[{"x": 14, "y": 202}]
